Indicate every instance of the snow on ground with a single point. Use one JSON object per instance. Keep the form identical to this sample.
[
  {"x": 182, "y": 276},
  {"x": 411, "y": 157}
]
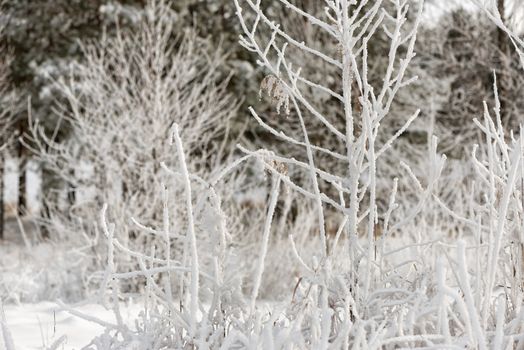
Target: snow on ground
[
  {"x": 31, "y": 272},
  {"x": 37, "y": 326}
]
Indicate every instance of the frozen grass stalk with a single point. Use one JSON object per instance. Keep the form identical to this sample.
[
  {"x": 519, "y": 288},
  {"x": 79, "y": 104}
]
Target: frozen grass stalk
[{"x": 191, "y": 236}]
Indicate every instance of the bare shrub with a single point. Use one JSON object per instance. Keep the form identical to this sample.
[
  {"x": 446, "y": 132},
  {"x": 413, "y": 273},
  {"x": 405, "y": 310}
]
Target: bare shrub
[{"x": 122, "y": 102}]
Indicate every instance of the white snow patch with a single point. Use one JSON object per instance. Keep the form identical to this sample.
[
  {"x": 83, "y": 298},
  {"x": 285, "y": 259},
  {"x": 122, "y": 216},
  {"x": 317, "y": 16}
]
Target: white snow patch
[{"x": 36, "y": 326}]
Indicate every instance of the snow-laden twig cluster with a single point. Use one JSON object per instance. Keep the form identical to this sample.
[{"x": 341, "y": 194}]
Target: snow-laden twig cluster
[{"x": 351, "y": 27}]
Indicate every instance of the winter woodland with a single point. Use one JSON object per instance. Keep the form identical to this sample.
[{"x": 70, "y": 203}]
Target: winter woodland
[{"x": 262, "y": 174}]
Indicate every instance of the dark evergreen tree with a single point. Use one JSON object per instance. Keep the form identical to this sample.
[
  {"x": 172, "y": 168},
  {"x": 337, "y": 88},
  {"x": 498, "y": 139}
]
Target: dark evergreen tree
[
  {"x": 44, "y": 37},
  {"x": 465, "y": 49}
]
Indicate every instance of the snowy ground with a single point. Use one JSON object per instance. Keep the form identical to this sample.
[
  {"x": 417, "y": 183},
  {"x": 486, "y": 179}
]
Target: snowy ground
[
  {"x": 32, "y": 272},
  {"x": 38, "y": 326}
]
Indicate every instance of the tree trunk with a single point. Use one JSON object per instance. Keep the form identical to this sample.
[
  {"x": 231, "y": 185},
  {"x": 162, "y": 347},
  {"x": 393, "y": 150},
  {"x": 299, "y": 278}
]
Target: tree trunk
[
  {"x": 22, "y": 164},
  {"x": 44, "y": 229},
  {"x": 502, "y": 36},
  {"x": 71, "y": 191},
  {"x": 44, "y": 209},
  {"x": 2, "y": 205},
  {"x": 503, "y": 46}
]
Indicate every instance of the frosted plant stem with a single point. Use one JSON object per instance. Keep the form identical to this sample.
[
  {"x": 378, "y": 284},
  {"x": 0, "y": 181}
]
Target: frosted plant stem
[
  {"x": 353, "y": 170},
  {"x": 111, "y": 269},
  {"x": 168, "y": 245},
  {"x": 6, "y": 340},
  {"x": 325, "y": 318},
  {"x": 499, "y": 233},
  {"x": 191, "y": 231},
  {"x": 314, "y": 179},
  {"x": 468, "y": 296},
  {"x": 265, "y": 242},
  {"x": 499, "y": 331}
]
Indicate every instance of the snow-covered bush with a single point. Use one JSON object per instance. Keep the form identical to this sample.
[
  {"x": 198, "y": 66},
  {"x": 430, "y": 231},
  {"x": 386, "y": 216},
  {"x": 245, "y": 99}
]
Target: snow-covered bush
[
  {"x": 121, "y": 102},
  {"x": 332, "y": 290},
  {"x": 412, "y": 273}
]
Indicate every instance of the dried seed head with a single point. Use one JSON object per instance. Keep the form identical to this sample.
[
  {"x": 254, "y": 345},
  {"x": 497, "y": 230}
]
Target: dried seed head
[
  {"x": 278, "y": 166},
  {"x": 275, "y": 90}
]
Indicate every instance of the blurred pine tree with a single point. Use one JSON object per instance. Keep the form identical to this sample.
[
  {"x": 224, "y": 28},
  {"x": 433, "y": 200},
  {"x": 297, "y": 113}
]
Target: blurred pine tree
[{"x": 44, "y": 38}]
